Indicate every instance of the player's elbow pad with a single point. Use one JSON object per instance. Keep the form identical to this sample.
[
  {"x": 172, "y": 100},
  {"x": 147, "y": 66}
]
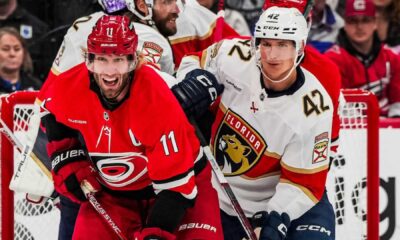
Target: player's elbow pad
[{"x": 197, "y": 92}]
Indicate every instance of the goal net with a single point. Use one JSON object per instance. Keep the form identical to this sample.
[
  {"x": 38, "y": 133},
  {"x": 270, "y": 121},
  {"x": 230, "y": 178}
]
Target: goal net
[
  {"x": 21, "y": 219},
  {"x": 353, "y": 180}
]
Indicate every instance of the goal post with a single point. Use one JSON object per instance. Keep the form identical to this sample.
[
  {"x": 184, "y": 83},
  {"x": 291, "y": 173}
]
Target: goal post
[
  {"x": 353, "y": 180},
  {"x": 21, "y": 219}
]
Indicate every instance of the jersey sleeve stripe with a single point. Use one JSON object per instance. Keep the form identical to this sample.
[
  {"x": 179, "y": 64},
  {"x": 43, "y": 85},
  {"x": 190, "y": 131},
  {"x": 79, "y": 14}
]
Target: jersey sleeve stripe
[
  {"x": 203, "y": 59},
  {"x": 306, "y": 191},
  {"x": 192, "y": 195},
  {"x": 272, "y": 154},
  {"x": 304, "y": 171},
  {"x": 174, "y": 182}
]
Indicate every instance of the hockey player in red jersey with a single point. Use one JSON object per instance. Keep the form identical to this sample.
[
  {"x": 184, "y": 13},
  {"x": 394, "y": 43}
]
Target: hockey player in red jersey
[
  {"x": 139, "y": 153},
  {"x": 148, "y": 18},
  {"x": 272, "y": 130}
]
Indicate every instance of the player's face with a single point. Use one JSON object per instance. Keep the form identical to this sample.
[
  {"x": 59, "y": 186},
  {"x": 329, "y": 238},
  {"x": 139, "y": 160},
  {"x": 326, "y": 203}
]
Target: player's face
[
  {"x": 111, "y": 73},
  {"x": 360, "y": 29},
  {"x": 165, "y": 13},
  {"x": 11, "y": 53},
  {"x": 277, "y": 57}
]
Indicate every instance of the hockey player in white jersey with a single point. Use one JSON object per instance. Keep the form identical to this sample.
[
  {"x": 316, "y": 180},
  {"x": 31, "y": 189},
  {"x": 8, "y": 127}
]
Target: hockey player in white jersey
[
  {"x": 272, "y": 130},
  {"x": 153, "y": 46}
]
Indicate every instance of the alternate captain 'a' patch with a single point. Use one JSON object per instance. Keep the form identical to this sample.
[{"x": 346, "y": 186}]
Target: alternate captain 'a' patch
[
  {"x": 320, "y": 152},
  {"x": 152, "y": 52},
  {"x": 237, "y": 145}
]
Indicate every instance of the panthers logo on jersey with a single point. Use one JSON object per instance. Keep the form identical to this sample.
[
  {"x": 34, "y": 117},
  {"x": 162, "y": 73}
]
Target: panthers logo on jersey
[{"x": 237, "y": 146}]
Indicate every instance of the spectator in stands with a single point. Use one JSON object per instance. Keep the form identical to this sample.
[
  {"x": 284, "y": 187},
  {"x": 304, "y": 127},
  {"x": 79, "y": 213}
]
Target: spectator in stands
[
  {"x": 60, "y": 12},
  {"x": 15, "y": 63},
  {"x": 363, "y": 60},
  {"x": 32, "y": 30},
  {"x": 388, "y": 21},
  {"x": 325, "y": 27},
  {"x": 234, "y": 18}
]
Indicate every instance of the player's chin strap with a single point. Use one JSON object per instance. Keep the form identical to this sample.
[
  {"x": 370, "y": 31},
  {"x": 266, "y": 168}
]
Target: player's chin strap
[{"x": 296, "y": 62}]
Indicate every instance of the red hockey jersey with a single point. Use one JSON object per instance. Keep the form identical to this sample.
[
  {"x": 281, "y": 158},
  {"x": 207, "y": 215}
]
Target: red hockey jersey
[{"x": 146, "y": 140}]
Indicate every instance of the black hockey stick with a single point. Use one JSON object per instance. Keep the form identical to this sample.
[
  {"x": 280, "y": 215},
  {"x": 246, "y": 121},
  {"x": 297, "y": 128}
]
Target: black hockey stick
[
  {"x": 224, "y": 183},
  {"x": 101, "y": 211}
]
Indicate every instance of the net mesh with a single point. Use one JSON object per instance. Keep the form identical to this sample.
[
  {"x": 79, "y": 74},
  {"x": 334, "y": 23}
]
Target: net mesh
[{"x": 346, "y": 181}]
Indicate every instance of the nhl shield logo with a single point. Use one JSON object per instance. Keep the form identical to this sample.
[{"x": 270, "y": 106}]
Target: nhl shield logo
[{"x": 237, "y": 146}]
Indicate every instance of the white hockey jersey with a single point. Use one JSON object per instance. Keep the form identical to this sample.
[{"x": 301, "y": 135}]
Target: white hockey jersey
[
  {"x": 271, "y": 146},
  {"x": 152, "y": 45}
]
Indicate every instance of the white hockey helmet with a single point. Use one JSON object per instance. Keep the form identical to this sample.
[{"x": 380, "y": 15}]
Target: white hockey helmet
[
  {"x": 282, "y": 23},
  {"x": 130, "y": 4},
  {"x": 111, "y": 6}
]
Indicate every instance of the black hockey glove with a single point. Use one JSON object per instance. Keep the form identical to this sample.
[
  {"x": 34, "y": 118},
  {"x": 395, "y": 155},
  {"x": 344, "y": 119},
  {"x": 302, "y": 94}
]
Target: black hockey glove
[
  {"x": 154, "y": 234},
  {"x": 274, "y": 226},
  {"x": 197, "y": 92}
]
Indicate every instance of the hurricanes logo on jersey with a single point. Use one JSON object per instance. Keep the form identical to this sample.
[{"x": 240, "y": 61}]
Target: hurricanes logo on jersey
[
  {"x": 237, "y": 146},
  {"x": 120, "y": 170}
]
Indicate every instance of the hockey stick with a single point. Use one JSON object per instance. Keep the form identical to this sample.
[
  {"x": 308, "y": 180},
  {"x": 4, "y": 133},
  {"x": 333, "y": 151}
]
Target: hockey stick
[
  {"x": 101, "y": 211},
  {"x": 224, "y": 184},
  {"x": 24, "y": 150}
]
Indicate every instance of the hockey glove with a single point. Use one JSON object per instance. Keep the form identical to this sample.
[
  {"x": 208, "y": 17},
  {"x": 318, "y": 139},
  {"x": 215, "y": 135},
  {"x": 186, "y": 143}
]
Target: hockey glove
[
  {"x": 68, "y": 179},
  {"x": 274, "y": 226},
  {"x": 197, "y": 91},
  {"x": 154, "y": 234}
]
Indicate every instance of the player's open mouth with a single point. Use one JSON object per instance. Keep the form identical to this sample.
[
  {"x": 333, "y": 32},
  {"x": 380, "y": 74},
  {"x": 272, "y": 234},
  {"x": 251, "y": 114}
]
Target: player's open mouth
[
  {"x": 172, "y": 19},
  {"x": 110, "y": 82}
]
